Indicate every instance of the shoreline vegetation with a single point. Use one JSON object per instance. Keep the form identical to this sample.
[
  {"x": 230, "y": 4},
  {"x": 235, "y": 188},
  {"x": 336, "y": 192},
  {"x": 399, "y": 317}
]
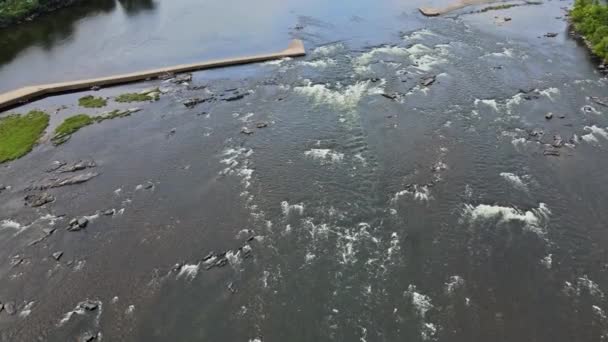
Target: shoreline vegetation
[
  {"x": 20, "y": 133},
  {"x": 17, "y": 11},
  {"x": 590, "y": 21}
]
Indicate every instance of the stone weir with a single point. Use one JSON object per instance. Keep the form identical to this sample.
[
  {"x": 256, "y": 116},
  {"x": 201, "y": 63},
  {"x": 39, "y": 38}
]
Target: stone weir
[{"x": 29, "y": 93}]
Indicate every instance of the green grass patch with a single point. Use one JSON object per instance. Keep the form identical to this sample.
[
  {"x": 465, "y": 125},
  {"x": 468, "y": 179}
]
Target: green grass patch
[
  {"x": 69, "y": 126},
  {"x": 91, "y": 101},
  {"x": 19, "y": 133},
  {"x": 138, "y": 97},
  {"x": 590, "y": 18}
]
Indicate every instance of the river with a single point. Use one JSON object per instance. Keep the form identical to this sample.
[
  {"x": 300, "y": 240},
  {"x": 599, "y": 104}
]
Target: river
[{"x": 402, "y": 182}]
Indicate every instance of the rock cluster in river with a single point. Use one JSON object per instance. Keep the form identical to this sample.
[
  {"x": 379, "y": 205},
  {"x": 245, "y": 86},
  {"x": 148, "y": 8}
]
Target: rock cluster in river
[{"x": 227, "y": 95}]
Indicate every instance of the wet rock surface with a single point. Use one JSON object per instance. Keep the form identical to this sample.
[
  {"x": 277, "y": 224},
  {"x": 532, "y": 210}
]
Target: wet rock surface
[
  {"x": 63, "y": 181},
  {"x": 38, "y": 200}
]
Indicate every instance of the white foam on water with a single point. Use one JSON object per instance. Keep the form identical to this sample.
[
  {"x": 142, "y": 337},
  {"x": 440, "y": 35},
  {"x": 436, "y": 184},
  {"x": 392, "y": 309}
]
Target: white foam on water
[
  {"x": 257, "y": 339},
  {"x": 27, "y": 309},
  {"x": 519, "y": 142},
  {"x": 325, "y": 155},
  {"x": 264, "y": 279},
  {"x": 419, "y": 35},
  {"x": 514, "y": 101},
  {"x": 189, "y": 271},
  {"x": 422, "y": 303},
  {"x": 393, "y": 51},
  {"x": 378, "y": 89},
  {"x": 592, "y": 287},
  {"x": 590, "y": 138},
  {"x": 590, "y": 109},
  {"x": 79, "y": 310},
  {"x": 237, "y": 163},
  {"x": 92, "y": 218},
  {"x": 533, "y": 219},
  {"x": 428, "y": 331},
  {"x": 287, "y": 208},
  {"x": 514, "y": 180},
  {"x": 52, "y": 219},
  {"x": 130, "y": 310},
  {"x": 246, "y": 117},
  {"x": 234, "y": 258},
  {"x": 117, "y": 191},
  {"x": 316, "y": 231},
  {"x": 139, "y": 187},
  {"x": 309, "y": 257},
  {"x": 547, "y": 261},
  {"x": 488, "y": 102},
  {"x": 550, "y": 92},
  {"x": 359, "y": 157},
  {"x": 345, "y": 98},
  {"x": 418, "y": 192},
  {"x": 277, "y": 61},
  {"x": 10, "y": 224},
  {"x": 319, "y": 63},
  {"x": 328, "y": 49},
  {"x": 594, "y": 132},
  {"x": 79, "y": 265},
  {"x": 454, "y": 283},
  {"x": 598, "y": 312},
  {"x": 426, "y": 62},
  {"x": 506, "y": 52},
  {"x": 346, "y": 241}
]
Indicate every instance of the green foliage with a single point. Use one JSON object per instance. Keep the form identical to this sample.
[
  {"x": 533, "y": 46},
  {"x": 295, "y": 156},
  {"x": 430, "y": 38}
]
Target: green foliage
[
  {"x": 12, "y": 11},
  {"x": 91, "y": 101},
  {"x": 19, "y": 133},
  {"x": 590, "y": 18},
  {"x": 70, "y": 126},
  {"x": 137, "y": 97}
]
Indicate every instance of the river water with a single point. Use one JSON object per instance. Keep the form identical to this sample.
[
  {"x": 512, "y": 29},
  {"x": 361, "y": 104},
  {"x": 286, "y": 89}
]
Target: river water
[{"x": 370, "y": 207}]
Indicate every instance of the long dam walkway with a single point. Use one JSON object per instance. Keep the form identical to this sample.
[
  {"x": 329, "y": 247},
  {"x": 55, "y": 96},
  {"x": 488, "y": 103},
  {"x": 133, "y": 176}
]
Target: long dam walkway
[{"x": 21, "y": 95}]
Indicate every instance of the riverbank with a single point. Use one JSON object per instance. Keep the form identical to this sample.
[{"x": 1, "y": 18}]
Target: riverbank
[
  {"x": 589, "y": 21},
  {"x": 17, "y": 11}
]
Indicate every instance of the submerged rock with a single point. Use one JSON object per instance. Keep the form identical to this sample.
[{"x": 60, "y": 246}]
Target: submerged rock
[
  {"x": 76, "y": 166},
  {"x": 390, "y": 96},
  {"x": 246, "y": 130},
  {"x": 234, "y": 96},
  {"x": 88, "y": 337},
  {"x": 181, "y": 78},
  {"x": 261, "y": 124},
  {"x": 551, "y": 35},
  {"x": 602, "y": 101},
  {"x": 190, "y": 103},
  {"x": 2, "y": 188},
  {"x": 78, "y": 224},
  {"x": 89, "y": 305},
  {"x": 551, "y": 152},
  {"x": 56, "y": 183},
  {"x": 557, "y": 141},
  {"x": 549, "y": 116},
  {"x": 10, "y": 308},
  {"x": 109, "y": 212},
  {"x": 57, "y": 255},
  {"x": 428, "y": 81},
  {"x": 38, "y": 200}
]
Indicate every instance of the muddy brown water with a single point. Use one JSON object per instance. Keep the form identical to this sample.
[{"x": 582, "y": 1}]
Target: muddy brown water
[{"x": 428, "y": 214}]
